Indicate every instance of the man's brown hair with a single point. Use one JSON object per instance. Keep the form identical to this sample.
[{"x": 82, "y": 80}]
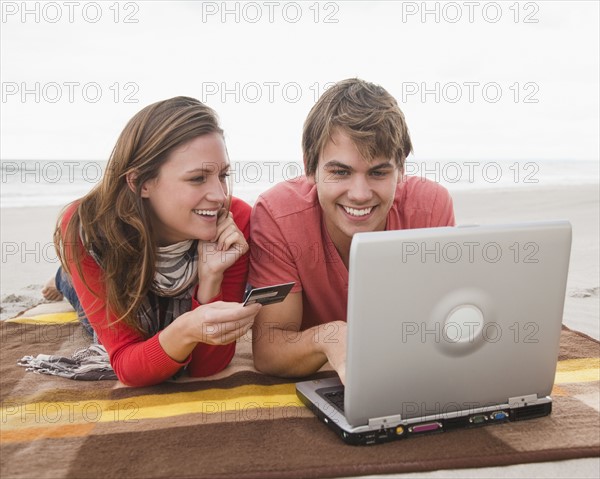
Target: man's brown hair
[{"x": 367, "y": 113}]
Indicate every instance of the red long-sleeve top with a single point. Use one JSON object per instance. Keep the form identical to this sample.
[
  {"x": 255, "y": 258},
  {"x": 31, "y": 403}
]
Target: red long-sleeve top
[{"x": 142, "y": 362}]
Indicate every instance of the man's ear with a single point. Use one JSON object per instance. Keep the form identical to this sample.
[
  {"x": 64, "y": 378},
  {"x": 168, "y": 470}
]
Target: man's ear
[
  {"x": 312, "y": 178},
  {"x": 400, "y": 174}
]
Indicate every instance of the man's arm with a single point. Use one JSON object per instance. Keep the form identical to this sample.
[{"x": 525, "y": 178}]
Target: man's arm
[{"x": 281, "y": 349}]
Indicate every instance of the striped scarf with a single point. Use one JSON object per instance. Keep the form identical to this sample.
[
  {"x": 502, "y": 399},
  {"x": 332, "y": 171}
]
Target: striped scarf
[
  {"x": 171, "y": 292},
  {"x": 87, "y": 364}
]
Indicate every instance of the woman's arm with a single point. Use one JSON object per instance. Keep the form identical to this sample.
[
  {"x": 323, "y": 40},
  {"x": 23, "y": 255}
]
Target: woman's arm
[
  {"x": 206, "y": 359},
  {"x": 136, "y": 361},
  {"x": 141, "y": 362}
]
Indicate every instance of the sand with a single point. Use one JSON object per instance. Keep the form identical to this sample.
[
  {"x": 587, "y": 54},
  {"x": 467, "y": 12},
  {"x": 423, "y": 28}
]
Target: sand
[
  {"x": 28, "y": 257},
  {"x": 578, "y": 204}
]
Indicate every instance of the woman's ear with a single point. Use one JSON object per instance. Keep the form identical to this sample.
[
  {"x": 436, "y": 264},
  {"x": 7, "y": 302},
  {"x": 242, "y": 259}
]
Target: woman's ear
[{"x": 131, "y": 178}]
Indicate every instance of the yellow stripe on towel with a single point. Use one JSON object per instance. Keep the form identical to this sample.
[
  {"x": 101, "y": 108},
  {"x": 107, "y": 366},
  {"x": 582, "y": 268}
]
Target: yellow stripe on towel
[
  {"x": 211, "y": 401},
  {"x": 35, "y": 433},
  {"x": 52, "y": 318},
  {"x": 241, "y": 400},
  {"x": 23, "y": 420},
  {"x": 578, "y": 371}
]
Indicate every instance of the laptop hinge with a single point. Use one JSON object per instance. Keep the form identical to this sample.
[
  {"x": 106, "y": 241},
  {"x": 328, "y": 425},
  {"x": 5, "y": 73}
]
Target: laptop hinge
[
  {"x": 521, "y": 401},
  {"x": 385, "y": 421}
]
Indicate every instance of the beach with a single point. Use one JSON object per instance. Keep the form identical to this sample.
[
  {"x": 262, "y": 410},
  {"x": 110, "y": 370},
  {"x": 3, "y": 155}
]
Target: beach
[
  {"x": 578, "y": 204},
  {"x": 501, "y": 101},
  {"x": 29, "y": 259}
]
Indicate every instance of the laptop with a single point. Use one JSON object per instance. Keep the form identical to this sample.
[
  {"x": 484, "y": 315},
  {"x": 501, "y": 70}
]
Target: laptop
[{"x": 448, "y": 327}]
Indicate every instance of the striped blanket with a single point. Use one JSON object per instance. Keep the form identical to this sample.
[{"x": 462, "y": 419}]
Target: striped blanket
[{"x": 244, "y": 424}]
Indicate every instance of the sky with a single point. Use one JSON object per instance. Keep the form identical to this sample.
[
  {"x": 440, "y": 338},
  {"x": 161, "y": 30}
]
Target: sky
[{"x": 475, "y": 79}]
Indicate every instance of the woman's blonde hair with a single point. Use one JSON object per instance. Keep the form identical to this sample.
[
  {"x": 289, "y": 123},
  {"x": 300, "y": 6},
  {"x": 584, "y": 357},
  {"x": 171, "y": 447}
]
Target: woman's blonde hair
[{"x": 113, "y": 220}]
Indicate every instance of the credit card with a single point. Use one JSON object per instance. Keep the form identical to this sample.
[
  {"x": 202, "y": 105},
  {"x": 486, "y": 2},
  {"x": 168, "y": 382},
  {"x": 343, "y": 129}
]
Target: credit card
[{"x": 269, "y": 294}]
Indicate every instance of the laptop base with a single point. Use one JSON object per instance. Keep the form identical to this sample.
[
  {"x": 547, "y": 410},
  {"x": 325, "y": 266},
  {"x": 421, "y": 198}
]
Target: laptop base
[{"x": 403, "y": 429}]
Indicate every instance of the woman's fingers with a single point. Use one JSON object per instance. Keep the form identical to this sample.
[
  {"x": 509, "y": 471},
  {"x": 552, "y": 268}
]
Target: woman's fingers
[
  {"x": 228, "y": 331},
  {"x": 231, "y": 238},
  {"x": 223, "y": 222},
  {"x": 228, "y": 234},
  {"x": 223, "y": 323}
]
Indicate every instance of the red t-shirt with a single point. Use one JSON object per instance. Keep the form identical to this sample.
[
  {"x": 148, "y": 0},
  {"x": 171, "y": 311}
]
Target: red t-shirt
[
  {"x": 290, "y": 241},
  {"x": 142, "y": 362}
]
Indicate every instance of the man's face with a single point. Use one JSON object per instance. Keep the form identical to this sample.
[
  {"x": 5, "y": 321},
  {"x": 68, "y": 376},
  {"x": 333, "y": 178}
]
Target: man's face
[{"x": 355, "y": 195}]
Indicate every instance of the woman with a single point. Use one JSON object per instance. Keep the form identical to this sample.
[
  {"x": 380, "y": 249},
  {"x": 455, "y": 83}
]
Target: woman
[{"x": 156, "y": 252}]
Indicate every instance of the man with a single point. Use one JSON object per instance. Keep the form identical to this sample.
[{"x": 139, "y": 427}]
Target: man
[{"x": 355, "y": 142}]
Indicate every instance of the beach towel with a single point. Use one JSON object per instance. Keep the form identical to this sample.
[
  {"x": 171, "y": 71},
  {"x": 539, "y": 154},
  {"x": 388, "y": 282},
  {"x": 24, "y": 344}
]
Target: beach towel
[{"x": 240, "y": 423}]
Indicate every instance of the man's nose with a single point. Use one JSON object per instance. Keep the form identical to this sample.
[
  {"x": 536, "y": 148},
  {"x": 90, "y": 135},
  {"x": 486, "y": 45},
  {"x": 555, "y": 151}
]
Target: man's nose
[{"x": 360, "y": 190}]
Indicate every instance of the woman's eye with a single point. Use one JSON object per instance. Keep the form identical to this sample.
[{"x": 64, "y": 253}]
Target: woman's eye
[
  {"x": 198, "y": 179},
  {"x": 224, "y": 176}
]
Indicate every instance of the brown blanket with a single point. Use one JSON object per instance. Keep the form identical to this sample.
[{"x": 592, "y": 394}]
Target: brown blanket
[{"x": 243, "y": 424}]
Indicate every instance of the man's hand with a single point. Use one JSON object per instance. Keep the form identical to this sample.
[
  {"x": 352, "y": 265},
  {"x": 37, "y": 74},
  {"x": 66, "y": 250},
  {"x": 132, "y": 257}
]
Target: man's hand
[
  {"x": 332, "y": 340},
  {"x": 281, "y": 349}
]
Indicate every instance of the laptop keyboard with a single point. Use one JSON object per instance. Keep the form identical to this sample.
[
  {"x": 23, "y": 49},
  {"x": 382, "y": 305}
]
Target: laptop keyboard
[{"x": 336, "y": 398}]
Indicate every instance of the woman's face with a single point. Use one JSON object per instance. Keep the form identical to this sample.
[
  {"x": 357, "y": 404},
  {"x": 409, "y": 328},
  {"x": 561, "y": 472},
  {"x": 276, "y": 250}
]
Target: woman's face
[{"x": 189, "y": 191}]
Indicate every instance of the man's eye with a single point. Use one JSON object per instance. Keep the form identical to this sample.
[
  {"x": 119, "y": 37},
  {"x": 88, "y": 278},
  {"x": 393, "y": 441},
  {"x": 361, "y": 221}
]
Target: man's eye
[
  {"x": 379, "y": 173},
  {"x": 340, "y": 172},
  {"x": 198, "y": 179},
  {"x": 224, "y": 176}
]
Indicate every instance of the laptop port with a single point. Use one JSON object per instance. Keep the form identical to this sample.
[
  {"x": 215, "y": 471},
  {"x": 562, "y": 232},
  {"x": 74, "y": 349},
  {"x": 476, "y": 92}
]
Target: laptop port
[
  {"x": 532, "y": 411},
  {"x": 499, "y": 415},
  {"x": 427, "y": 427},
  {"x": 478, "y": 419}
]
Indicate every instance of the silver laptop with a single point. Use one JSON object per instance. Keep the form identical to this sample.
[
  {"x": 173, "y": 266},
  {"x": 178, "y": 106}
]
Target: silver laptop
[{"x": 447, "y": 328}]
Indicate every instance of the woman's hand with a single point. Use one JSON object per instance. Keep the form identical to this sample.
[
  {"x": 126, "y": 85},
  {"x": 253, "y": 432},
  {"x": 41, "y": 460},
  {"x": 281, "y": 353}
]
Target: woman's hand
[
  {"x": 214, "y": 257},
  {"x": 229, "y": 244},
  {"x": 215, "y": 323},
  {"x": 221, "y": 322}
]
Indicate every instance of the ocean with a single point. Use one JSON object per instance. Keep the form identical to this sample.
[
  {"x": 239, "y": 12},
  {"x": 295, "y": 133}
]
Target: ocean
[{"x": 32, "y": 183}]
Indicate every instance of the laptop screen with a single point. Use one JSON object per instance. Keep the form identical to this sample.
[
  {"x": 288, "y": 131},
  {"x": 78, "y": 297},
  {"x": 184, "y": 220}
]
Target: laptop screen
[{"x": 443, "y": 319}]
